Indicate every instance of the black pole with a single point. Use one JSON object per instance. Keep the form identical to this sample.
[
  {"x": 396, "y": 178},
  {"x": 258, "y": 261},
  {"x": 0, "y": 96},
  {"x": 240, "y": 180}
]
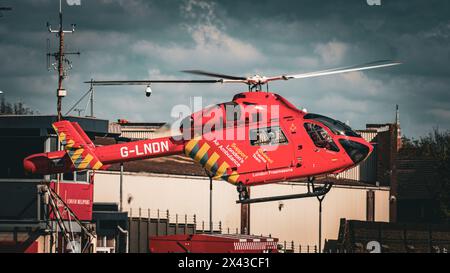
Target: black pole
[
  {"x": 320, "y": 225},
  {"x": 210, "y": 204},
  {"x": 121, "y": 187},
  {"x": 47, "y": 218},
  {"x": 60, "y": 64}
]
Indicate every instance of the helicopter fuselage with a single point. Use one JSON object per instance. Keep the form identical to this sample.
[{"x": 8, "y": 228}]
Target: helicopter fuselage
[
  {"x": 257, "y": 138},
  {"x": 261, "y": 138}
]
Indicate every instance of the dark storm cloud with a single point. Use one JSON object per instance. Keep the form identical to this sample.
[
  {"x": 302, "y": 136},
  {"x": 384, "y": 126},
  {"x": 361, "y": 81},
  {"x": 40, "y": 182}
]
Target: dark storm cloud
[{"x": 135, "y": 39}]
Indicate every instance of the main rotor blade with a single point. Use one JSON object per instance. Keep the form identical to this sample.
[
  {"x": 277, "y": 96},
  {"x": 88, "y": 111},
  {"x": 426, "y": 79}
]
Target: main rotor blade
[
  {"x": 372, "y": 65},
  {"x": 250, "y": 81},
  {"x": 215, "y": 75},
  {"x": 147, "y": 82}
]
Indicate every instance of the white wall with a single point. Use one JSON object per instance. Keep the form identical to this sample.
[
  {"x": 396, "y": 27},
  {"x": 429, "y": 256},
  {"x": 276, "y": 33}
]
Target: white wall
[
  {"x": 179, "y": 195},
  {"x": 297, "y": 220}
]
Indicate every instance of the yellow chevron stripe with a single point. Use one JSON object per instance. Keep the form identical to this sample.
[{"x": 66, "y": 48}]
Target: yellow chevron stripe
[
  {"x": 70, "y": 144},
  {"x": 191, "y": 144},
  {"x": 222, "y": 169},
  {"x": 201, "y": 152},
  {"x": 76, "y": 155},
  {"x": 62, "y": 137},
  {"x": 211, "y": 161},
  {"x": 86, "y": 162},
  {"x": 233, "y": 178},
  {"x": 97, "y": 166}
]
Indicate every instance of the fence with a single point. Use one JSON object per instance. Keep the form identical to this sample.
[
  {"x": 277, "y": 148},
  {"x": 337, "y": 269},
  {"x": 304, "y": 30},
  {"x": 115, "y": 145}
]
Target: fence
[
  {"x": 292, "y": 247},
  {"x": 145, "y": 223}
]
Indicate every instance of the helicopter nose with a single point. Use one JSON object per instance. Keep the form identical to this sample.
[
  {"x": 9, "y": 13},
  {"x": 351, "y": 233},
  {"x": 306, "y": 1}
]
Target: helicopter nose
[{"x": 357, "y": 151}]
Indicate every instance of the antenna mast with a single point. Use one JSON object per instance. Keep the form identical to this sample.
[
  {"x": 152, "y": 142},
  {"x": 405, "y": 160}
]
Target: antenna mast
[{"x": 62, "y": 64}]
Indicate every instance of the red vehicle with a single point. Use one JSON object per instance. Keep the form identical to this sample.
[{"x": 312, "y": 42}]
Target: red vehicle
[
  {"x": 215, "y": 243},
  {"x": 257, "y": 138}
]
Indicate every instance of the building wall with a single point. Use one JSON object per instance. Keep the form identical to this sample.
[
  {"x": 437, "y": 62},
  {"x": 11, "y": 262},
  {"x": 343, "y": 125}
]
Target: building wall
[
  {"x": 297, "y": 220},
  {"x": 181, "y": 195}
]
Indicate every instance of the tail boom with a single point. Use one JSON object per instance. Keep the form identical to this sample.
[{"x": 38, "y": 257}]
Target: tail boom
[
  {"x": 139, "y": 150},
  {"x": 81, "y": 154}
]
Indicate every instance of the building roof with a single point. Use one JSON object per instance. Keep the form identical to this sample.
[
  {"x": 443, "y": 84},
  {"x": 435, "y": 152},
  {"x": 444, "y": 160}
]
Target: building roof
[
  {"x": 154, "y": 125},
  {"x": 41, "y": 125},
  {"x": 393, "y": 237}
]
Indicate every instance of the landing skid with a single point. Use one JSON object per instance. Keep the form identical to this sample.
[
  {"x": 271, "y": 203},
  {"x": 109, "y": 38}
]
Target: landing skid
[{"x": 313, "y": 191}]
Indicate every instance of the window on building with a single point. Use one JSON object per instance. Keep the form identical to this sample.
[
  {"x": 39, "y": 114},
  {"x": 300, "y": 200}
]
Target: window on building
[
  {"x": 68, "y": 177},
  {"x": 76, "y": 176},
  {"x": 81, "y": 176},
  {"x": 267, "y": 136},
  {"x": 320, "y": 137}
]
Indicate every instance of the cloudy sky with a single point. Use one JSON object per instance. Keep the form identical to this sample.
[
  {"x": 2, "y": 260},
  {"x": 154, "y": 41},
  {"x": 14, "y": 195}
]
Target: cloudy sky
[{"x": 142, "y": 39}]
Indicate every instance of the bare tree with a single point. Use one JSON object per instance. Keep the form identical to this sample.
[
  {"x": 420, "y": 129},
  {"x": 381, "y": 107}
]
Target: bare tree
[{"x": 18, "y": 108}]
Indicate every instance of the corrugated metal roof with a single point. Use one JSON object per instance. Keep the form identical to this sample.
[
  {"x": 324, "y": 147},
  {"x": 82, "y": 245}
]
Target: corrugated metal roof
[
  {"x": 393, "y": 237},
  {"x": 44, "y": 123},
  {"x": 137, "y": 134},
  {"x": 138, "y": 131}
]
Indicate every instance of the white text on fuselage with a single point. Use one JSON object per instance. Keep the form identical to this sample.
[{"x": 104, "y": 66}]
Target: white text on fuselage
[{"x": 145, "y": 149}]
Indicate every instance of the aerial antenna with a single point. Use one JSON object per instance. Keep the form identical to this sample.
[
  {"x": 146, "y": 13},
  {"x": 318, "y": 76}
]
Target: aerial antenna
[
  {"x": 90, "y": 102},
  {"x": 62, "y": 64},
  {"x": 79, "y": 111}
]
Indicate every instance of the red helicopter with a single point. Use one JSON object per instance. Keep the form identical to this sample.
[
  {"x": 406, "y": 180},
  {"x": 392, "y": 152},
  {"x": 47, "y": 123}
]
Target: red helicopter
[{"x": 257, "y": 138}]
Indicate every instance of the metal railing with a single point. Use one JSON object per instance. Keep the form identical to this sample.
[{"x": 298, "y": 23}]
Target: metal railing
[
  {"x": 188, "y": 224},
  {"x": 177, "y": 219},
  {"x": 292, "y": 247}
]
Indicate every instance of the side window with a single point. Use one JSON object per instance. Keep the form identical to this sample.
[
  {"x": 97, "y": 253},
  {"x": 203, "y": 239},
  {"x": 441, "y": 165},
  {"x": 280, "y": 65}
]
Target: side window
[
  {"x": 82, "y": 176},
  {"x": 267, "y": 136},
  {"x": 320, "y": 137},
  {"x": 76, "y": 176}
]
